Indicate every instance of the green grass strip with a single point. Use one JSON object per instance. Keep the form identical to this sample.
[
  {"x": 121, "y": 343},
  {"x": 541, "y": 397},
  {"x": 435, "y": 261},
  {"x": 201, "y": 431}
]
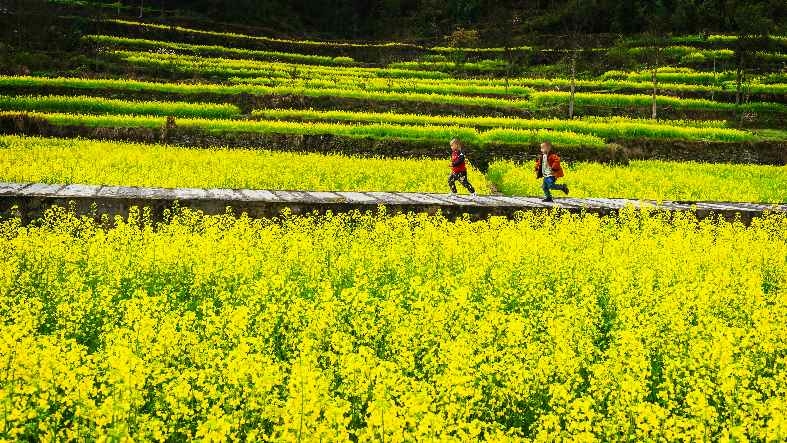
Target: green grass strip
[
  {"x": 306, "y": 43},
  {"x": 206, "y": 88},
  {"x": 98, "y": 105},
  {"x": 231, "y": 66},
  {"x": 610, "y": 129},
  {"x": 314, "y": 43},
  {"x": 94, "y": 121},
  {"x": 479, "y": 66},
  {"x": 376, "y": 131},
  {"x": 394, "y": 85},
  {"x": 216, "y": 51},
  {"x": 540, "y": 99}
]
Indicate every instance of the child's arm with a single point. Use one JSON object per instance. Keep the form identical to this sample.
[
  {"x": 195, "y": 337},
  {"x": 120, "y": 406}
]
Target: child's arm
[
  {"x": 556, "y": 164},
  {"x": 459, "y": 160}
]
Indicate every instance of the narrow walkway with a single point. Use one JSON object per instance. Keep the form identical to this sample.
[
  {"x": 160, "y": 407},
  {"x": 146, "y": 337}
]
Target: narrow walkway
[{"x": 29, "y": 201}]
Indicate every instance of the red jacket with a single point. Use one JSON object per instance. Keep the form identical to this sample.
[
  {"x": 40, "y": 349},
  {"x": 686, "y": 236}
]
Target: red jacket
[
  {"x": 457, "y": 162},
  {"x": 554, "y": 164}
]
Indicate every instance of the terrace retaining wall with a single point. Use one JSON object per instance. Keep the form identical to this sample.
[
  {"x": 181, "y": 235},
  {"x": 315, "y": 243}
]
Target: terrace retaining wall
[{"x": 29, "y": 202}]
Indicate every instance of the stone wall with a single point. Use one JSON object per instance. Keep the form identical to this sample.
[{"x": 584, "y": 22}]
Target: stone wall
[{"x": 29, "y": 202}]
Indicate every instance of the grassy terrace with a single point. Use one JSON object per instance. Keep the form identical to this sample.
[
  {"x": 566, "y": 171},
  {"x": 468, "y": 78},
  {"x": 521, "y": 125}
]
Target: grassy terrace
[
  {"x": 448, "y": 87},
  {"x": 515, "y": 86},
  {"x": 537, "y": 100},
  {"x": 195, "y": 89},
  {"x": 66, "y": 161},
  {"x": 605, "y": 128},
  {"x": 609, "y": 129},
  {"x": 654, "y": 180},
  {"x": 710, "y": 82},
  {"x": 245, "y": 67},
  {"x": 216, "y": 51},
  {"x": 583, "y": 99},
  {"x": 690, "y": 55},
  {"x": 481, "y": 66},
  {"x": 98, "y": 105},
  {"x": 306, "y": 44},
  {"x": 403, "y": 77},
  {"x": 376, "y": 131}
]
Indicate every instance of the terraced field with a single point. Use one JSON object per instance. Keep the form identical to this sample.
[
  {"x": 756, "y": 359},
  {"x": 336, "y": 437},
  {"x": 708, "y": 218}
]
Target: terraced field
[{"x": 177, "y": 325}]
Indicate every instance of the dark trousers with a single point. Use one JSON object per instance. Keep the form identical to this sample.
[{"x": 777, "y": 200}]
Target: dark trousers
[
  {"x": 462, "y": 177},
  {"x": 549, "y": 184}
]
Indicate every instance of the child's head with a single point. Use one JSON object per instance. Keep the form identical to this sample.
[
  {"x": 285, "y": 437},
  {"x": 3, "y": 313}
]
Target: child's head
[
  {"x": 456, "y": 144},
  {"x": 546, "y": 147}
]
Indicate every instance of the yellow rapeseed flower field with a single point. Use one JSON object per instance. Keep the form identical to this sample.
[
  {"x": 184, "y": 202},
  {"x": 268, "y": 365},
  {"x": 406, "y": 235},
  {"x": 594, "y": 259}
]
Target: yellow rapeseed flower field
[
  {"x": 550, "y": 327},
  {"x": 66, "y": 161}
]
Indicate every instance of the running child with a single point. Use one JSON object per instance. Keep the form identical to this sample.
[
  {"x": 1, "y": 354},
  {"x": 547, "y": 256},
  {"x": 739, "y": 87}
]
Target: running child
[
  {"x": 458, "y": 168},
  {"x": 548, "y": 167}
]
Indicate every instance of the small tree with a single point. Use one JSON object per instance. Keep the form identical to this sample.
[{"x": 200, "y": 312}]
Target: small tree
[
  {"x": 657, "y": 24},
  {"x": 459, "y": 39},
  {"x": 654, "y": 70},
  {"x": 504, "y": 27},
  {"x": 577, "y": 24},
  {"x": 752, "y": 24}
]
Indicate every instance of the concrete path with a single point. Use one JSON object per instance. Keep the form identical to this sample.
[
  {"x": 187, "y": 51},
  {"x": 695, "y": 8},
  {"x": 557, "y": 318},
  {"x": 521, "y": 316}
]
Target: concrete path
[{"x": 30, "y": 200}]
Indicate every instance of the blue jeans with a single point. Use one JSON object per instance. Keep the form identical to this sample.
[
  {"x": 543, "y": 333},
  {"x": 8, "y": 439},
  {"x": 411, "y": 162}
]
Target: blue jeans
[{"x": 549, "y": 184}]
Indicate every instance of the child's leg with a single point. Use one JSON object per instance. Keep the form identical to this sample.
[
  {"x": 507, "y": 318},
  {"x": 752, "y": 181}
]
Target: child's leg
[
  {"x": 466, "y": 183},
  {"x": 551, "y": 183},
  {"x": 547, "y": 185},
  {"x": 451, "y": 183},
  {"x": 560, "y": 187}
]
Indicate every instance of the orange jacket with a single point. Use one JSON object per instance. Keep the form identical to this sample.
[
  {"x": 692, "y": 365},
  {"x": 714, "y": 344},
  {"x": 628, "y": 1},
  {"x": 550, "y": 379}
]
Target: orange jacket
[{"x": 554, "y": 164}]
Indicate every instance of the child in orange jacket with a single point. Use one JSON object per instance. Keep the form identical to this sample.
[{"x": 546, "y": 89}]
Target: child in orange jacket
[{"x": 548, "y": 167}]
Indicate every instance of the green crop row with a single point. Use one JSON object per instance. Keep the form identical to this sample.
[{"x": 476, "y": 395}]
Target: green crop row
[
  {"x": 98, "y": 105},
  {"x": 516, "y": 86},
  {"x": 684, "y": 54},
  {"x": 538, "y": 100},
  {"x": 713, "y": 40},
  {"x": 393, "y": 85},
  {"x": 409, "y": 132},
  {"x": 711, "y": 82},
  {"x": 66, "y": 161},
  {"x": 545, "y": 99},
  {"x": 203, "y": 88},
  {"x": 400, "y": 80},
  {"x": 491, "y": 51},
  {"x": 317, "y": 43},
  {"x": 687, "y": 76},
  {"x": 245, "y": 67},
  {"x": 718, "y": 38},
  {"x": 216, "y": 51},
  {"x": 482, "y": 66},
  {"x": 691, "y": 55},
  {"x": 605, "y": 129},
  {"x": 376, "y": 130},
  {"x": 262, "y": 39},
  {"x": 610, "y": 129},
  {"x": 654, "y": 180}
]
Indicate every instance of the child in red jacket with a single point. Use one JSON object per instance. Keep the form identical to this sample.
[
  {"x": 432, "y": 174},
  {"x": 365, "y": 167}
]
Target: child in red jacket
[
  {"x": 548, "y": 167},
  {"x": 458, "y": 168}
]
